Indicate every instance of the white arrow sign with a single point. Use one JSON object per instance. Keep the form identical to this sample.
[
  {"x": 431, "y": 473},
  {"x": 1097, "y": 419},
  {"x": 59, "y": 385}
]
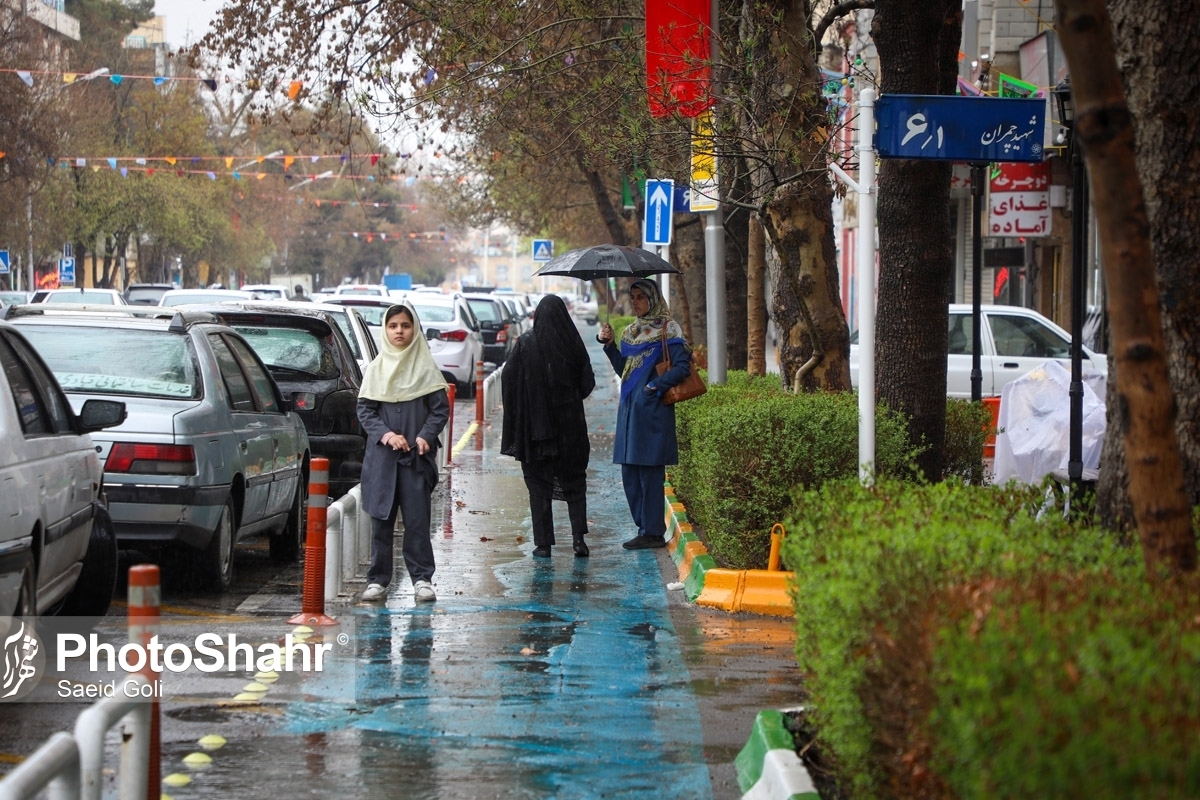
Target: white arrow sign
[{"x": 657, "y": 223}]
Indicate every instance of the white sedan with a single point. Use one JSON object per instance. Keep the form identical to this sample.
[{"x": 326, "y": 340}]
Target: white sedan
[{"x": 1015, "y": 341}]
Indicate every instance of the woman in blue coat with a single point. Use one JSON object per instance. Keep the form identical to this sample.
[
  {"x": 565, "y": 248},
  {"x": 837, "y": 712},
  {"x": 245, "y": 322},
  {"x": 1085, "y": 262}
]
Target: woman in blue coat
[
  {"x": 645, "y": 433},
  {"x": 403, "y": 407}
]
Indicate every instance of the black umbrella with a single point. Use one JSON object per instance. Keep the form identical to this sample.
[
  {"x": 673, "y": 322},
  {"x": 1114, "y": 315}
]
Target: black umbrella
[{"x": 606, "y": 261}]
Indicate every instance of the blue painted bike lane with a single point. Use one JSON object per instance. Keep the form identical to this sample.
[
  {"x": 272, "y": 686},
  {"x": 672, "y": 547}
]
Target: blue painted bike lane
[{"x": 528, "y": 677}]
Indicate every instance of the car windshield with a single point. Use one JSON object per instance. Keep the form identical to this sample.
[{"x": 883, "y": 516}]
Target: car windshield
[
  {"x": 200, "y": 297},
  {"x": 374, "y": 314},
  {"x": 1021, "y": 336},
  {"x": 145, "y": 295},
  {"x": 74, "y": 296},
  {"x": 291, "y": 350},
  {"x": 100, "y": 360},
  {"x": 434, "y": 313},
  {"x": 485, "y": 310}
]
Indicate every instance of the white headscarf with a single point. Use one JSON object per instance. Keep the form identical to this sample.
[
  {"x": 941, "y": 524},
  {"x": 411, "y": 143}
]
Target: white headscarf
[{"x": 397, "y": 374}]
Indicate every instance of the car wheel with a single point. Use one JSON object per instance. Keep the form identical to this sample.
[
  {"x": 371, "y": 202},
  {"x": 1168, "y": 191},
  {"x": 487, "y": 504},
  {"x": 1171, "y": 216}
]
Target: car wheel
[
  {"x": 288, "y": 544},
  {"x": 218, "y": 558},
  {"x": 93, "y": 591}
]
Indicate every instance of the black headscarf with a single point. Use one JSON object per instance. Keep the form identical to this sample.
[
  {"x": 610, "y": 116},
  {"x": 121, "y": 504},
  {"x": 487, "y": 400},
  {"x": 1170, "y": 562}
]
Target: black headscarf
[{"x": 543, "y": 385}]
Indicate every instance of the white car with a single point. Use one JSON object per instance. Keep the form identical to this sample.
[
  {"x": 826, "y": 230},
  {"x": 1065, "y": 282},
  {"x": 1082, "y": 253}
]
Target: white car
[
  {"x": 182, "y": 297},
  {"x": 268, "y": 291},
  {"x": 363, "y": 290},
  {"x": 80, "y": 296},
  {"x": 1015, "y": 341},
  {"x": 586, "y": 309},
  {"x": 58, "y": 549}
]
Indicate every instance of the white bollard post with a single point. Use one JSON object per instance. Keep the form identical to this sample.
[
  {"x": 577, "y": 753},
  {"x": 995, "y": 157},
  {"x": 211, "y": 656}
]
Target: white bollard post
[{"x": 333, "y": 552}]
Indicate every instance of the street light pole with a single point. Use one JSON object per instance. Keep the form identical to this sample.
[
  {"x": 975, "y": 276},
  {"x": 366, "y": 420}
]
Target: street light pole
[
  {"x": 978, "y": 176},
  {"x": 1079, "y": 206}
]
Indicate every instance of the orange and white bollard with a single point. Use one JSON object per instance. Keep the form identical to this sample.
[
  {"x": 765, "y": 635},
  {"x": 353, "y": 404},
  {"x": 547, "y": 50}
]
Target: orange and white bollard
[
  {"x": 145, "y": 596},
  {"x": 452, "y": 391},
  {"x": 313, "y": 601},
  {"x": 479, "y": 392}
]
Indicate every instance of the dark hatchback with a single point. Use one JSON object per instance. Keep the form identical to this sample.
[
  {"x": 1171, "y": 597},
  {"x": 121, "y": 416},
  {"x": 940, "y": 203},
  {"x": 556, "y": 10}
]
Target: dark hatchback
[
  {"x": 307, "y": 354},
  {"x": 497, "y": 326}
]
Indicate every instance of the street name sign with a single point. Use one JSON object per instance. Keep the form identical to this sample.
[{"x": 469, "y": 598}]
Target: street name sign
[
  {"x": 659, "y": 201},
  {"x": 960, "y": 128}
]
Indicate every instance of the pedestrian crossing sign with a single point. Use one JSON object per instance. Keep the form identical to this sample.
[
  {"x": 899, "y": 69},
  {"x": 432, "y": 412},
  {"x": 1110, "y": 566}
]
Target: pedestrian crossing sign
[{"x": 543, "y": 249}]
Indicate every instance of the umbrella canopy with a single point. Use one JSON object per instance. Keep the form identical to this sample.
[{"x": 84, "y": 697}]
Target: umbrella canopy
[{"x": 606, "y": 261}]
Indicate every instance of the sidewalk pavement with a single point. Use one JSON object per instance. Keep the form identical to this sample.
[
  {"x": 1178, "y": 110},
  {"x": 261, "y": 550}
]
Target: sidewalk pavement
[{"x": 528, "y": 678}]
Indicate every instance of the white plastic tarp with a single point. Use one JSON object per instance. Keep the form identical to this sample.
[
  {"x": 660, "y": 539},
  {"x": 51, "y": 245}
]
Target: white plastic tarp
[{"x": 1035, "y": 424}]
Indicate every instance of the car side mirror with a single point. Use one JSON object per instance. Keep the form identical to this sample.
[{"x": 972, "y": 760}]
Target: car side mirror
[{"x": 97, "y": 415}]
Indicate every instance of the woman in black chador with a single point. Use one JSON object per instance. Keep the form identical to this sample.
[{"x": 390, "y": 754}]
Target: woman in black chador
[{"x": 543, "y": 384}]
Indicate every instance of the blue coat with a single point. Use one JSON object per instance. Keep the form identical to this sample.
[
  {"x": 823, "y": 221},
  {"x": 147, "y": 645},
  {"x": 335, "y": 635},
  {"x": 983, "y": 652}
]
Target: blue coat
[{"x": 645, "y": 432}]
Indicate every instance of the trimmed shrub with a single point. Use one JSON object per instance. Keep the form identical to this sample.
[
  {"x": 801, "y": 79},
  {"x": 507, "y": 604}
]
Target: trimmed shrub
[
  {"x": 746, "y": 445},
  {"x": 968, "y": 426},
  {"x": 928, "y": 630}
]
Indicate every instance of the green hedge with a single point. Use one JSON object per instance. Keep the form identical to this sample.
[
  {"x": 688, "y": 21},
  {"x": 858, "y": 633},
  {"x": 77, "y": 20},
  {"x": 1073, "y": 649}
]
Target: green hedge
[
  {"x": 744, "y": 447},
  {"x": 962, "y": 641}
]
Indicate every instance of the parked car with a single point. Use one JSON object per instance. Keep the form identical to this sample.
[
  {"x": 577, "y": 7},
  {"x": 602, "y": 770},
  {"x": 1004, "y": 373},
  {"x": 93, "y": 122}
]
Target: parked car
[
  {"x": 359, "y": 336},
  {"x": 80, "y": 296},
  {"x": 455, "y": 336},
  {"x": 183, "y": 297},
  {"x": 363, "y": 289},
  {"x": 586, "y": 309},
  {"x": 268, "y": 291},
  {"x": 14, "y": 298},
  {"x": 496, "y": 325},
  {"x": 146, "y": 294},
  {"x": 57, "y": 547},
  {"x": 1015, "y": 340},
  {"x": 210, "y": 452},
  {"x": 307, "y": 354}
]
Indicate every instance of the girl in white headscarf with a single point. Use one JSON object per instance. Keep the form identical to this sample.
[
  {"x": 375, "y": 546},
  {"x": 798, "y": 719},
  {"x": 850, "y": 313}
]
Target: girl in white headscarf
[{"x": 403, "y": 407}]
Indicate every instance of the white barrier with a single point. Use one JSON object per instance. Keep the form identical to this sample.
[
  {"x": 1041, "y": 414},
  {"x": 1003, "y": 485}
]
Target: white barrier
[
  {"x": 491, "y": 392},
  {"x": 72, "y": 766}
]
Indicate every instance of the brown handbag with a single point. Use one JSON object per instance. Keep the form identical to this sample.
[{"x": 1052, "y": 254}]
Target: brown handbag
[{"x": 689, "y": 387}]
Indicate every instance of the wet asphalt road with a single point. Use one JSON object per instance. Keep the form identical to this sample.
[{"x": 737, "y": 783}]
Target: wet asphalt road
[{"x": 528, "y": 678}]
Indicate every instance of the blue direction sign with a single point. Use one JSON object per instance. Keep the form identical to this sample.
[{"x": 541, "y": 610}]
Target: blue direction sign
[
  {"x": 543, "y": 249},
  {"x": 66, "y": 272},
  {"x": 5, "y": 264},
  {"x": 659, "y": 200},
  {"x": 960, "y": 128}
]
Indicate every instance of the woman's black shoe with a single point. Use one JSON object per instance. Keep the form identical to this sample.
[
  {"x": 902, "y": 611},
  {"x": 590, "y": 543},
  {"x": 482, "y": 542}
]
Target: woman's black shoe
[
  {"x": 542, "y": 552},
  {"x": 581, "y": 548}
]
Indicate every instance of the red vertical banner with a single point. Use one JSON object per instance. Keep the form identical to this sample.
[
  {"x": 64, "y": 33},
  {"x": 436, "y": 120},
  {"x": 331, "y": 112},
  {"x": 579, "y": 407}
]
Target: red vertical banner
[{"x": 678, "y": 57}]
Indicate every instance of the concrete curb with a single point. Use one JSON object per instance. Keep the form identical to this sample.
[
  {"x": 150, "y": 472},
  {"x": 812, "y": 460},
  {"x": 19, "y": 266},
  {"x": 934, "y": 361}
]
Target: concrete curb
[
  {"x": 758, "y": 591},
  {"x": 768, "y": 767}
]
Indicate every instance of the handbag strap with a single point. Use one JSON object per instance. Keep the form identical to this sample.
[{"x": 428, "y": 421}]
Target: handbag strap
[{"x": 666, "y": 352}]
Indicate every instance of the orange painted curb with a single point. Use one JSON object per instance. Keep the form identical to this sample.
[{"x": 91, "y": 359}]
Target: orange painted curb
[{"x": 757, "y": 591}]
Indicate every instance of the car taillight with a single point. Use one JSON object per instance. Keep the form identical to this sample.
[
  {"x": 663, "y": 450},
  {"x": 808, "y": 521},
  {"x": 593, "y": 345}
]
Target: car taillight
[
  {"x": 304, "y": 401},
  {"x": 151, "y": 459},
  {"x": 453, "y": 336},
  {"x": 502, "y": 335}
]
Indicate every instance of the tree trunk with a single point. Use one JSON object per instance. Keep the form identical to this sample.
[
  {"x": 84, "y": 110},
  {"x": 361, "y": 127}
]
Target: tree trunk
[
  {"x": 797, "y": 217},
  {"x": 918, "y": 44},
  {"x": 1104, "y": 127},
  {"x": 1153, "y": 37},
  {"x": 756, "y": 310}
]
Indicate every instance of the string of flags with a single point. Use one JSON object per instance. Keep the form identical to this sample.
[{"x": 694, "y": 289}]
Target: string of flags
[{"x": 27, "y": 76}]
